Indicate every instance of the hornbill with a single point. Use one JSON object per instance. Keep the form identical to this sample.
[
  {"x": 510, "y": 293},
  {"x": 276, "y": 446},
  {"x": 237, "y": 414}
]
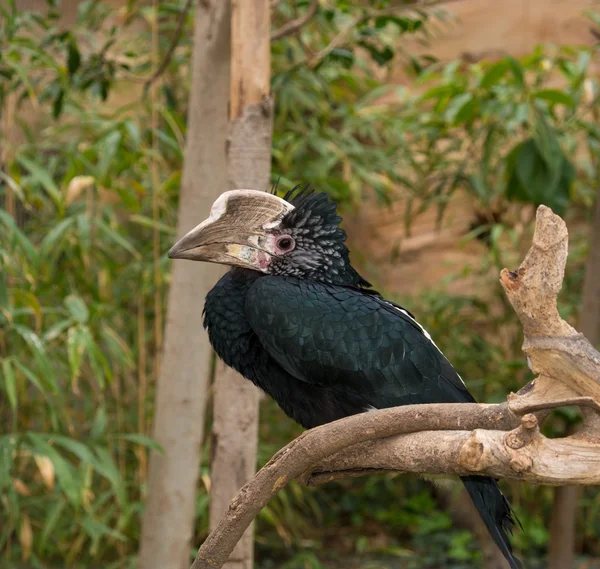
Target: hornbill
[{"x": 294, "y": 317}]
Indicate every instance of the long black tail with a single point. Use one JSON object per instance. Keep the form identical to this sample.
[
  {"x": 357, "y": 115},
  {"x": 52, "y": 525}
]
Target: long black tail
[{"x": 495, "y": 512}]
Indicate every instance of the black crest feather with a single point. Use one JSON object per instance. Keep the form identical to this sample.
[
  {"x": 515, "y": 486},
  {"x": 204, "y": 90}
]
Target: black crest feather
[
  {"x": 321, "y": 251},
  {"x": 298, "y": 192},
  {"x": 275, "y": 186}
]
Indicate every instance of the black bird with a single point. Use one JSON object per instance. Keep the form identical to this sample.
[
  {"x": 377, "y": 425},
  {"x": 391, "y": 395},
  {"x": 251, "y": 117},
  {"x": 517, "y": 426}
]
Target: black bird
[{"x": 295, "y": 318}]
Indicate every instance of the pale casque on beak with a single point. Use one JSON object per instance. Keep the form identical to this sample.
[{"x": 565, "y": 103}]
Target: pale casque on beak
[{"x": 235, "y": 233}]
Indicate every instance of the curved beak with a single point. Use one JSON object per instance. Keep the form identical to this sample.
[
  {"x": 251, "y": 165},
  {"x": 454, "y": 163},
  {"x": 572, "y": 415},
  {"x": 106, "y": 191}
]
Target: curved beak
[{"x": 235, "y": 232}]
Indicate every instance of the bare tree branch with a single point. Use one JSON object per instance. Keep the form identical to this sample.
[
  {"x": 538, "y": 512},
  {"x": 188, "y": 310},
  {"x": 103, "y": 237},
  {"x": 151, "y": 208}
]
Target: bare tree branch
[
  {"x": 174, "y": 43},
  {"x": 465, "y": 438},
  {"x": 555, "y": 350},
  {"x": 313, "y": 446},
  {"x": 293, "y": 26},
  {"x": 521, "y": 454}
]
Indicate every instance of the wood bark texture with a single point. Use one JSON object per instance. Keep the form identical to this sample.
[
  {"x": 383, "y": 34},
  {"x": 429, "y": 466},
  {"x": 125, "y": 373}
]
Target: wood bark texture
[
  {"x": 250, "y": 54},
  {"x": 561, "y": 545},
  {"x": 502, "y": 440},
  {"x": 234, "y": 439},
  {"x": 235, "y": 427},
  {"x": 561, "y": 548},
  {"x": 181, "y": 390}
]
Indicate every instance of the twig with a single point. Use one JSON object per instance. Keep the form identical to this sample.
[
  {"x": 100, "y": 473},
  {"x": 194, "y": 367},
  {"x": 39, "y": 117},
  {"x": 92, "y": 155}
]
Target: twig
[
  {"x": 174, "y": 42},
  {"x": 337, "y": 40},
  {"x": 293, "y": 26},
  {"x": 343, "y": 34}
]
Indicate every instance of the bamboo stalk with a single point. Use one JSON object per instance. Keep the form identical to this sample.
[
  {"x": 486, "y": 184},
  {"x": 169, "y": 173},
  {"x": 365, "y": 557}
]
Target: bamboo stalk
[
  {"x": 143, "y": 388},
  {"x": 155, "y": 189},
  {"x": 7, "y": 126}
]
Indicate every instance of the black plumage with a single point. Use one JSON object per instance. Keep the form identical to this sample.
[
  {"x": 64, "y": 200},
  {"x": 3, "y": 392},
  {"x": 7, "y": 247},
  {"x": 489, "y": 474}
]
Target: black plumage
[{"x": 305, "y": 327}]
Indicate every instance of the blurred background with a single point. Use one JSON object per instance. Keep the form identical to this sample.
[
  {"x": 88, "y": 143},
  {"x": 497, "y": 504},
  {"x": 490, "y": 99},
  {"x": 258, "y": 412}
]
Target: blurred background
[{"x": 437, "y": 126}]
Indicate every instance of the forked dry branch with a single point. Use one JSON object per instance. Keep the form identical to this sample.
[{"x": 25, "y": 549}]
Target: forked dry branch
[{"x": 500, "y": 440}]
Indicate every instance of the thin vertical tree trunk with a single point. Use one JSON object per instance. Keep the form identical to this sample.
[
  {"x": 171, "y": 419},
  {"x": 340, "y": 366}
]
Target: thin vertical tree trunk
[
  {"x": 181, "y": 391},
  {"x": 589, "y": 319},
  {"x": 235, "y": 427},
  {"x": 561, "y": 550}
]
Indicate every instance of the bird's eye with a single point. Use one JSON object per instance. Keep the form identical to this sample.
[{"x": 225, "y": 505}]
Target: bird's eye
[{"x": 285, "y": 243}]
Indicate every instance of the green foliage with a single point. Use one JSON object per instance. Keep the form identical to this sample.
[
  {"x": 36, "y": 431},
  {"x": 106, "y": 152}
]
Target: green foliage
[
  {"x": 330, "y": 127},
  {"x": 500, "y": 133},
  {"x": 42, "y": 62},
  {"x": 537, "y": 178},
  {"x": 79, "y": 297},
  {"x": 75, "y": 261}
]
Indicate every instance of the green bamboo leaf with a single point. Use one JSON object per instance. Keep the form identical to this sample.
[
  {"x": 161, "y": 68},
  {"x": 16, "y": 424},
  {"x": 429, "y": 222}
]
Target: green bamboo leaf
[
  {"x": 99, "y": 424},
  {"x": 3, "y": 291},
  {"x": 98, "y": 362},
  {"x": 73, "y": 57},
  {"x": 52, "y": 239},
  {"x": 583, "y": 61},
  {"x": 8, "y": 445},
  {"x": 10, "y": 382},
  {"x": 101, "y": 500},
  {"x": 108, "y": 150},
  {"x": 13, "y": 185},
  {"x": 517, "y": 70},
  {"x": 45, "y": 387},
  {"x": 138, "y": 439},
  {"x": 134, "y": 133},
  {"x": 77, "y": 308},
  {"x": 97, "y": 530},
  {"x": 555, "y": 97},
  {"x": 151, "y": 223},
  {"x": 36, "y": 346},
  {"x": 169, "y": 141},
  {"x": 24, "y": 76},
  {"x": 29, "y": 300},
  {"x": 75, "y": 350},
  {"x": 117, "y": 238},
  {"x": 42, "y": 387},
  {"x": 84, "y": 231},
  {"x": 80, "y": 450},
  {"x": 107, "y": 467},
  {"x": 16, "y": 236},
  {"x": 57, "y": 329},
  {"x": 65, "y": 473},
  {"x": 42, "y": 176},
  {"x": 268, "y": 515},
  {"x": 456, "y": 107},
  {"x": 117, "y": 346},
  {"x": 52, "y": 519},
  {"x": 493, "y": 74}
]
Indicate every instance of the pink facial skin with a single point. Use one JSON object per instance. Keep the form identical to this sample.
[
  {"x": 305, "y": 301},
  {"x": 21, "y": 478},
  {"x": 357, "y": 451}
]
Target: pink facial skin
[{"x": 264, "y": 259}]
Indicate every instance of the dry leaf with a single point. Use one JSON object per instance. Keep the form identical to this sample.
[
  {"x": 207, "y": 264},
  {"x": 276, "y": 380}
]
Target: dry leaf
[
  {"x": 206, "y": 481},
  {"x": 46, "y": 469},
  {"x": 26, "y": 537},
  {"x": 20, "y": 487},
  {"x": 76, "y": 186}
]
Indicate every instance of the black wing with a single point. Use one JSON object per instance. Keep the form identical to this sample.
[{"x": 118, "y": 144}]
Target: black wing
[
  {"x": 354, "y": 343},
  {"x": 345, "y": 339}
]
